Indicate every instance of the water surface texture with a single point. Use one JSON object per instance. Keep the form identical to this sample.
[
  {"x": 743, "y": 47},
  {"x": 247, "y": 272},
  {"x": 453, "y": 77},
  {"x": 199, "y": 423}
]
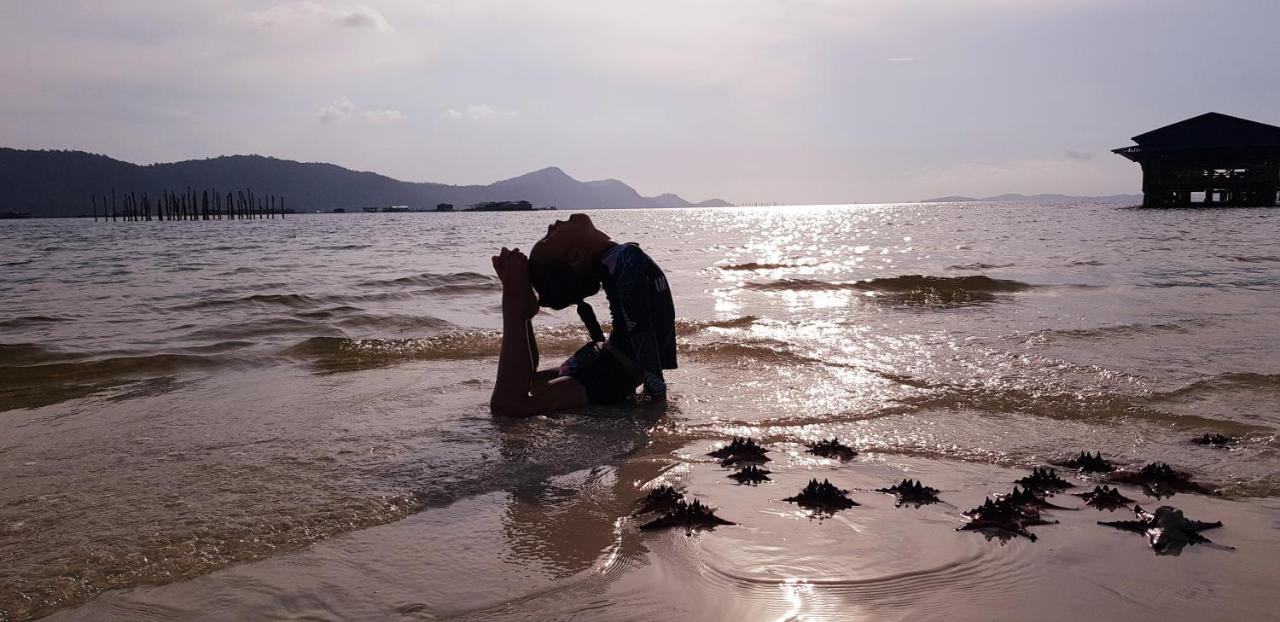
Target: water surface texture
[{"x": 311, "y": 393}]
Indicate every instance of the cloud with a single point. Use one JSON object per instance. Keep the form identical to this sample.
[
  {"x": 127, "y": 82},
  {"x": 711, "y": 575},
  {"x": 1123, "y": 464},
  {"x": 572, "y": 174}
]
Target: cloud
[
  {"x": 382, "y": 117},
  {"x": 342, "y": 14},
  {"x": 1072, "y": 154},
  {"x": 361, "y": 16},
  {"x": 344, "y": 110},
  {"x": 478, "y": 112}
]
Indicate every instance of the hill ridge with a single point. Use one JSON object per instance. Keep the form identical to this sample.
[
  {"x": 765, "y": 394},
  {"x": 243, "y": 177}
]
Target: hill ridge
[{"x": 59, "y": 183}]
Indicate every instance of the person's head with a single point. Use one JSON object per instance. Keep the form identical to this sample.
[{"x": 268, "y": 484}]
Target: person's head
[{"x": 563, "y": 264}]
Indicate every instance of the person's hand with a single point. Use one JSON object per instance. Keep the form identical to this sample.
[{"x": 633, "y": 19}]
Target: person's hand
[{"x": 512, "y": 268}]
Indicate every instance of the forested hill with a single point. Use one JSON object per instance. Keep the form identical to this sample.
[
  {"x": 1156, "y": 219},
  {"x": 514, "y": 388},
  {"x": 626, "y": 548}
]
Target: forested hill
[{"x": 59, "y": 183}]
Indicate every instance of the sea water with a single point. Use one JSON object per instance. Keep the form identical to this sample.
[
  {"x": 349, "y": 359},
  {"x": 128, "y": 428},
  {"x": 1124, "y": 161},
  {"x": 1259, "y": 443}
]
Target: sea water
[{"x": 312, "y": 393}]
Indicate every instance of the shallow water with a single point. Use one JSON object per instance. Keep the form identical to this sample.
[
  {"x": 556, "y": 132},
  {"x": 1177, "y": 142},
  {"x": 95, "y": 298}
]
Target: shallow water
[{"x": 179, "y": 397}]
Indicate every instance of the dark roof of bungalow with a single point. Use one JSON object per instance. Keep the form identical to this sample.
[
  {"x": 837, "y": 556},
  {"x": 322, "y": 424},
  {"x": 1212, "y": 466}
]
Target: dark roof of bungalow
[{"x": 1210, "y": 130}]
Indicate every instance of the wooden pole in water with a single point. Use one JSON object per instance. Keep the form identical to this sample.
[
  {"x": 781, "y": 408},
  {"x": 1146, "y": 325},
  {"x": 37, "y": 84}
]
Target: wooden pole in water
[
  {"x": 95, "y": 207},
  {"x": 113, "y": 205},
  {"x": 282, "y": 208}
]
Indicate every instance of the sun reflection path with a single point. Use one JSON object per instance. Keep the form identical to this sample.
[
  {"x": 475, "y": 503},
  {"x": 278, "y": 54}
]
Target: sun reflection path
[{"x": 794, "y": 592}]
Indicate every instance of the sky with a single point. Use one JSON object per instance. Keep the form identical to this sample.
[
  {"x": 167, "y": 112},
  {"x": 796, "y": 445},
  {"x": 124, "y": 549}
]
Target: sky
[{"x": 788, "y": 101}]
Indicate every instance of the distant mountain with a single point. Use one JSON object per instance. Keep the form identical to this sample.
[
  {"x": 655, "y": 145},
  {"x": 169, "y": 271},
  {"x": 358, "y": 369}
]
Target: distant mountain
[
  {"x": 1041, "y": 198},
  {"x": 59, "y": 183}
]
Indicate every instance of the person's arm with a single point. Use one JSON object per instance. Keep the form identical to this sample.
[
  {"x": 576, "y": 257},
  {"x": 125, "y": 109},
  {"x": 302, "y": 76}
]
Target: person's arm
[{"x": 511, "y": 396}]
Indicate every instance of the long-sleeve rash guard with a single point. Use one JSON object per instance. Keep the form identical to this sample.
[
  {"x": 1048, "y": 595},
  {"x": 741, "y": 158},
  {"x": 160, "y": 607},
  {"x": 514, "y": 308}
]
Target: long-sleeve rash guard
[{"x": 642, "y": 312}]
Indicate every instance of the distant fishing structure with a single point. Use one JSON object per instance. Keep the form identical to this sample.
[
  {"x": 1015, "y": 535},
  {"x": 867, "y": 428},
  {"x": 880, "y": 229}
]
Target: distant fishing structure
[{"x": 190, "y": 204}]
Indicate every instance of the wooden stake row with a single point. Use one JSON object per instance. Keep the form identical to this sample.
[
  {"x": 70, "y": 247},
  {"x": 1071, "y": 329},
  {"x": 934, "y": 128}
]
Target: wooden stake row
[{"x": 189, "y": 205}]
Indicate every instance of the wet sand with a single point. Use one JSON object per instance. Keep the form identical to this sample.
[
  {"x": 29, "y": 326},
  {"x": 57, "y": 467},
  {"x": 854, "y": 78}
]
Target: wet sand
[{"x": 567, "y": 549}]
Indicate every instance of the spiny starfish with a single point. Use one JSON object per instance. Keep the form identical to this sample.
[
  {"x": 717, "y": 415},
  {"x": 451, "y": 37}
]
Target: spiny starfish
[
  {"x": 913, "y": 492},
  {"x": 1104, "y": 498},
  {"x": 1167, "y": 529},
  {"x": 740, "y": 451},
  {"x": 1088, "y": 463},
  {"x": 822, "y": 497},
  {"x": 1044, "y": 480},
  {"x": 832, "y": 448},
  {"x": 1005, "y": 516},
  {"x": 1160, "y": 480},
  {"x": 689, "y": 515},
  {"x": 751, "y": 474}
]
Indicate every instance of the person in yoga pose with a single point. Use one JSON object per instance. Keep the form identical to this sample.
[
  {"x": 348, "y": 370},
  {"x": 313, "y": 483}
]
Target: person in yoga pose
[{"x": 572, "y": 262}]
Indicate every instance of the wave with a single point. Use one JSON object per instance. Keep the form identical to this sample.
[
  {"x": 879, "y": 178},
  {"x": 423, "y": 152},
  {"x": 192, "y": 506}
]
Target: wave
[
  {"x": 457, "y": 281},
  {"x": 356, "y": 317},
  {"x": 342, "y": 247},
  {"x": 1229, "y": 381},
  {"x": 691, "y": 327},
  {"x": 28, "y": 354},
  {"x": 56, "y": 379},
  {"x": 339, "y": 353},
  {"x": 753, "y": 265},
  {"x": 979, "y": 266},
  {"x": 99, "y": 368},
  {"x": 32, "y": 320},
  {"x": 910, "y": 289},
  {"x": 760, "y": 351},
  {"x": 347, "y": 354},
  {"x": 1251, "y": 258},
  {"x": 906, "y": 283},
  {"x": 1113, "y": 332},
  {"x": 293, "y": 301}
]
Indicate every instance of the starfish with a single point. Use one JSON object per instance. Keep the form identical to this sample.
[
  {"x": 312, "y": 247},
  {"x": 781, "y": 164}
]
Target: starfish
[
  {"x": 822, "y": 498},
  {"x": 661, "y": 499},
  {"x": 1104, "y": 498},
  {"x": 1088, "y": 463},
  {"x": 1167, "y": 529},
  {"x": 1044, "y": 480},
  {"x": 740, "y": 451},
  {"x": 1030, "y": 499},
  {"x": 1215, "y": 440},
  {"x": 1160, "y": 480},
  {"x": 912, "y": 491},
  {"x": 751, "y": 474},
  {"x": 688, "y": 515},
  {"x": 832, "y": 448},
  {"x": 1004, "y": 516}
]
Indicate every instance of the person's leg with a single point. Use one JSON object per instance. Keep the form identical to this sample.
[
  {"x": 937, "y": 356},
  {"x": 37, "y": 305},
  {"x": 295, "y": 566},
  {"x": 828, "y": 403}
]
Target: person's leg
[{"x": 515, "y": 360}]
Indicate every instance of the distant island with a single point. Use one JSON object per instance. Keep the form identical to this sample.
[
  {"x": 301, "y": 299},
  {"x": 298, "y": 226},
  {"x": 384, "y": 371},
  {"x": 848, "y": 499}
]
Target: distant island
[
  {"x": 1042, "y": 198},
  {"x": 46, "y": 183}
]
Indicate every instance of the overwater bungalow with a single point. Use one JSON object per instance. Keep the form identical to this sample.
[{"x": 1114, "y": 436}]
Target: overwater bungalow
[{"x": 1210, "y": 160}]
